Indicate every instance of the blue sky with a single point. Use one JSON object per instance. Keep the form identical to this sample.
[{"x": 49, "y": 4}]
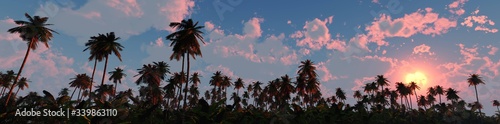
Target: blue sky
[{"x": 350, "y": 41}]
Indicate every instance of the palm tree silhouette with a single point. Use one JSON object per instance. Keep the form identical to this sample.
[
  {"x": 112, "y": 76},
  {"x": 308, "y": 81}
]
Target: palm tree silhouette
[
  {"x": 109, "y": 46},
  {"x": 96, "y": 54},
  {"x": 116, "y": 76},
  {"x": 340, "y": 94},
  {"x": 23, "y": 83},
  {"x": 185, "y": 41},
  {"x": 80, "y": 81},
  {"x": 475, "y": 79},
  {"x": 6, "y": 80},
  {"x": 33, "y": 31},
  {"x": 496, "y": 103},
  {"x": 307, "y": 73},
  {"x": 413, "y": 87},
  {"x": 451, "y": 94},
  {"x": 382, "y": 81},
  {"x": 238, "y": 84},
  {"x": 440, "y": 91}
]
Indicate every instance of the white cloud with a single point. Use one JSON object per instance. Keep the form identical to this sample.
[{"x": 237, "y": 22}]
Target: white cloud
[
  {"x": 315, "y": 34},
  {"x": 421, "y": 49},
  {"x": 138, "y": 16}
]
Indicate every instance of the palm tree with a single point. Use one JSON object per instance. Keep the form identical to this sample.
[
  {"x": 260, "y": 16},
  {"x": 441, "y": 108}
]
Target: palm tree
[
  {"x": 382, "y": 81},
  {"x": 285, "y": 89},
  {"x": 238, "y": 84},
  {"x": 422, "y": 101},
  {"x": 496, "y": 103},
  {"x": 340, "y": 94},
  {"x": 109, "y": 46},
  {"x": 117, "y": 75},
  {"x": 80, "y": 81},
  {"x": 475, "y": 79},
  {"x": 451, "y": 94},
  {"x": 357, "y": 94},
  {"x": 148, "y": 75},
  {"x": 403, "y": 90},
  {"x": 64, "y": 92},
  {"x": 195, "y": 79},
  {"x": 163, "y": 69},
  {"x": 185, "y": 41},
  {"x": 307, "y": 74},
  {"x": 23, "y": 82},
  {"x": 431, "y": 99},
  {"x": 33, "y": 31},
  {"x": 6, "y": 80},
  {"x": 440, "y": 91},
  {"x": 413, "y": 87},
  {"x": 96, "y": 54},
  {"x": 216, "y": 81}
]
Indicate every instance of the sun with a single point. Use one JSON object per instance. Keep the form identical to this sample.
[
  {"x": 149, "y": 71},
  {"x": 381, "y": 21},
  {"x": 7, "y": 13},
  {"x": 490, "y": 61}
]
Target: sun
[{"x": 417, "y": 77}]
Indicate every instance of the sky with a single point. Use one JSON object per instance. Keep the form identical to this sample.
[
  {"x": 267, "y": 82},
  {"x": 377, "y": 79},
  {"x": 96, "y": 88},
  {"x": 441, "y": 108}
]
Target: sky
[{"x": 350, "y": 41}]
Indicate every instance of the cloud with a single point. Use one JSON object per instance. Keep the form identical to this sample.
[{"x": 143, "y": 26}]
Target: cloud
[
  {"x": 158, "y": 42},
  {"x": 469, "y": 54},
  {"x": 482, "y": 21},
  {"x": 129, "y": 7},
  {"x": 113, "y": 15},
  {"x": 456, "y": 7},
  {"x": 252, "y": 27},
  {"x": 337, "y": 45},
  {"x": 225, "y": 70},
  {"x": 421, "y": 49},
  {"x": 493, "y": 49},
  {"x": 422, "y": 21},
  {"x": 315, "y": 34},
  {"x": 209, "y": 26}
]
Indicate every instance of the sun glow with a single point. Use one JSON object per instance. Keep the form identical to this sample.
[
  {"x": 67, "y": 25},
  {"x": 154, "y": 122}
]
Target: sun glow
[{"x": 417, "y": 77}]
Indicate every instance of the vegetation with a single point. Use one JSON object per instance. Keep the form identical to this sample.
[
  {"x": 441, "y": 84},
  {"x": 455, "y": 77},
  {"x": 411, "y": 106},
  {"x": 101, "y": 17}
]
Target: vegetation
[{"x": 286, "y": 99}]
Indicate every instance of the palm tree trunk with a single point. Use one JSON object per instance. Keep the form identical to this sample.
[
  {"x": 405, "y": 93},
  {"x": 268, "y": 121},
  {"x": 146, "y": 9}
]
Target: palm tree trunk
[
  {"x": 72, "y": 94},
  {"x": 20, "y": 69},
  {"x": 477, "y": 98},
  {"x": 104, "y": 72},
  {"x": 116, "y": 84},
  {"x": 180, "y": 88},
  {"x": 411, "y": 103},
  {"x": 92, "y": 79},
  {"x": 15, "y": 94},
  {"x": 79, "y": 94},
  {"x": 416, "y": 96},
  {"x": 440, "y": 99},
  {"x": 187, "y": 81}
]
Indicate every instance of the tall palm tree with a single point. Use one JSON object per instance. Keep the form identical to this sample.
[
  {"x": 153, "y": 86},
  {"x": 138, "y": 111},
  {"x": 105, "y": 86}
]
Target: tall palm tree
[
  {"x": 285, "y": 89},
  {"x": 475, "y": 79},
  {"x": 216, "y": 81},
  {"x": 440, "y": 91},
  {"x": 96, "y": 54},
  {"x": 23, "y": 83},
  {"x": 307, "y": 74},
  {"x": 382, "y": 81},
  {"x": 149, "y": 75},
  {"x": 413, "y": 87},
  {"x": 32, "y": 31},
  {"x": 116, "y": 76},
  {"x": 195, "y": 79},
  {"x": 238, "y": 84},
  {"x": 403, "y": 90},
  {"x": 185, "y": 41},
  {"x": 109, "y": 46}
]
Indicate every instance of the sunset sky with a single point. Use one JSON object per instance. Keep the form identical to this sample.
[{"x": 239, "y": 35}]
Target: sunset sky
[{"x": 350, "y": 41}]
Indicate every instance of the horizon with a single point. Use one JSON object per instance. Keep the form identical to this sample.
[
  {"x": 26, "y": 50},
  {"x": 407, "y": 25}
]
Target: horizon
[{"x": 350, "y": 42}]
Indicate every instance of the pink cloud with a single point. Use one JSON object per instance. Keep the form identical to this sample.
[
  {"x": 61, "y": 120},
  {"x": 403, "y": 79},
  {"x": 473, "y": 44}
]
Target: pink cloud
[
  {"x": 129, "y": 7},
  {"x": 158, "y": 42},
  {"x": 209, "y": 26},
  {"x": 315, "y": 34},
  {"x": 422, "y": 49},
  {"x": 482, "y": 21},
  {"x": 305, "y": 51},
  {"x": 326, "y": 76},
  {"x": 252, "y": 28},
  {"x": 493, "y": 49},
  {"x": 456, "y": 7},
  {"x": 469, "y": 54},
  {"x": 337, "y": 45},
  {"x": 289, "y": 59},
  {"x": 421, "y": 21}
]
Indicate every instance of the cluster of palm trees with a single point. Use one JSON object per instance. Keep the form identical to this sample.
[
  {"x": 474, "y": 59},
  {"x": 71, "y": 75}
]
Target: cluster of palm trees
[{"x": 161, "y": 91}]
